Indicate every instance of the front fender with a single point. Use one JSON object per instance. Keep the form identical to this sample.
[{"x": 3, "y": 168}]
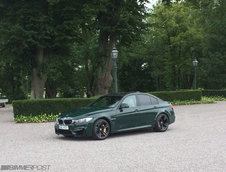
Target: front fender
[{"x": 89, "y": 130}]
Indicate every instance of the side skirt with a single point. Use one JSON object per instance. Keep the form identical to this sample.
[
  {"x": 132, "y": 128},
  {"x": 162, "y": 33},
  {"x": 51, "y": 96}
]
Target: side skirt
[{"x": 133, "y": 128}]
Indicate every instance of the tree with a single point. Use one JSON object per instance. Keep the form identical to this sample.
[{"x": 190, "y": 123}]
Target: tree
[
  {"x": 65, "y": 77},
  {"x": 12, "y": 82},
  {"x": 34, "y": 31},
  {"x": 174, "y": 39},
  {"x": 136, "y": 74},
  {"x": 163, "y": 58},
  {"x": 213, "y": 68},
  {"x": 119, "y": 22}
]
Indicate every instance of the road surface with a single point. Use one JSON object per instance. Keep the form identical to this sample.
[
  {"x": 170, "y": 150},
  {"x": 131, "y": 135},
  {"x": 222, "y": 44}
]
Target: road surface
[{"x": 195, "y": 142}]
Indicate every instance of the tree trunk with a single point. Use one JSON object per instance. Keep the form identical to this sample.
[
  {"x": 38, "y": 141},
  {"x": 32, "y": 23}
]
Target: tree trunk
[
  {"x": 89, "y": 79},
  {"x": 51, "y": 90},
  {"x": 39, "y": 76},
  {"x": 104, "y": 78}
]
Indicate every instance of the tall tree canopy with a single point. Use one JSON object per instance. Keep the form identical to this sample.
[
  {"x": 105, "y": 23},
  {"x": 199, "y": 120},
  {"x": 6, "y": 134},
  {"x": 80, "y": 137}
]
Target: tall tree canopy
[
  {"x": 35, "y": 31},
  {"x": 118, "y": 22},
  {"x": 64, "y": 47}
]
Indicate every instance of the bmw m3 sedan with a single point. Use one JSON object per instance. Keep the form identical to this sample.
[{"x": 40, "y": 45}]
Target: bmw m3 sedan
[{"x": 114, "y": 113}]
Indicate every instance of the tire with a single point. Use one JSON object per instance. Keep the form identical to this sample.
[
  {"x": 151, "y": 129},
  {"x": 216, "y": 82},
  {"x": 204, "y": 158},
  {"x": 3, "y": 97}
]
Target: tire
[
  {"x": 162, "y": 123},
  {"x": 101, "y": 129}
]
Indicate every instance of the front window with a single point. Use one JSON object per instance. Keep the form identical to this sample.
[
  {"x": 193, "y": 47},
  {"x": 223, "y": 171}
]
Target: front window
[
  {"x": 130, "y": 101},
  {"x": 106, "y": 101}
]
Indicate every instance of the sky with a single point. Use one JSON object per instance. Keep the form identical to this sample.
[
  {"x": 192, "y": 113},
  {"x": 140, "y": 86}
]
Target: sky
[{"x": 151, "y": 2}]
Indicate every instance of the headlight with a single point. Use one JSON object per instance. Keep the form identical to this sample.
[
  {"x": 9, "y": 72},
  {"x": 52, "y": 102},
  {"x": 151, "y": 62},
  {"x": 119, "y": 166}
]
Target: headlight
[{"x": 83, "y": 120}]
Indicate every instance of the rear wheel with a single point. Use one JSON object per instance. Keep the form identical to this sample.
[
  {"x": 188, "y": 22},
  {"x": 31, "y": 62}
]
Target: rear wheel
[
  {"x": 162, "y": 123},
  {"x": 101, "y": 129}
]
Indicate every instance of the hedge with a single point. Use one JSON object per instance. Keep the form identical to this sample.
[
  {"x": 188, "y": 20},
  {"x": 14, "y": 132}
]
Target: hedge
[
  {"x": 59, "y": 105},
  {"x": 179, "y": 95},
  {"x": 214, "y": 93},
  {"x": 48, "y": 106}
]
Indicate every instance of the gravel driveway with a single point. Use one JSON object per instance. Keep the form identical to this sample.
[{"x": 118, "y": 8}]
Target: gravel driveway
[{"x": 196, "y": 142}]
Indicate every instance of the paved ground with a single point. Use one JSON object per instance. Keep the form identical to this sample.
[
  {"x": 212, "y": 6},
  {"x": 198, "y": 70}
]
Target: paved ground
[{"x": 196, "y": 142}]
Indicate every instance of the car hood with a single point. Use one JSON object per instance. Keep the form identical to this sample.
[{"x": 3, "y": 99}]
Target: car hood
[{"x": 85, "y": 112}]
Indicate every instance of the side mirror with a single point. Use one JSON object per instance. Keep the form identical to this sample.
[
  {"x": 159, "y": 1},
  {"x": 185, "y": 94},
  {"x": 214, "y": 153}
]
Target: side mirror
[{"x": 123, "y": 105}]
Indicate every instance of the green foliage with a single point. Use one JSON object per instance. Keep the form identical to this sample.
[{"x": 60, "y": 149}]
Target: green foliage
[
  {"x": 177, "y": 34},
  {"x": 218, "y": 98},
  {"x": 59, "y": 105},
  {"x": 213, "y": 68},
  {"x": 204, "y": 100},
  {"x": 48, "y": 106},
  {"x": 36, "y": 119},
  {"x": 214, "y": 93},
  {"x": 179, "y": 95},
  {"x": 86, "y": 52},
  {"x": 52, "y": 117},
  {"x": 12, "y": 83},
  {"x": 163, "y": 59},
  {"x": 76, "y": 34},
  {"x": 174, "y": 40},
  {"x": 65, "y": 77},
  {"x": 134, "y": 69},
  {"x": 117, "y": 23},
  {"x": 27, "y": 26}
]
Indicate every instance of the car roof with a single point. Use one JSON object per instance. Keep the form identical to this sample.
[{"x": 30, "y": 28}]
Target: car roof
[
  {"x": 124, "y": 93},
  {"x": 117, "y": 94}
]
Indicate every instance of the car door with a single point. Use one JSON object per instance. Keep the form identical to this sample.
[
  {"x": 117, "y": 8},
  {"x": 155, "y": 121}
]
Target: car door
[
  {"x": 126, "y": 117},
  {"x": 147, "y": 110}
]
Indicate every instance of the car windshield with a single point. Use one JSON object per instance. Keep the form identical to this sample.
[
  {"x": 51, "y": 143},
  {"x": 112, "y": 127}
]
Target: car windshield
[{"x": 106, "y": 101}]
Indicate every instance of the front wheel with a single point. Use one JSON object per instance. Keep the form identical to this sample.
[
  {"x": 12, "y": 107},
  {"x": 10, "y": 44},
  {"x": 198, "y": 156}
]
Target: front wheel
[
  {"x": 162, "y": 123},
  {"x": 101, "y": 129}
]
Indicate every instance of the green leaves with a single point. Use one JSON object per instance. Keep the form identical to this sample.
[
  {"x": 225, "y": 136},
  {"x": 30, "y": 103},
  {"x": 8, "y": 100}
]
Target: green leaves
[
  {"x": 214, "y": 61},
  {"x": 172, "y": 33},
  {"x": 36, "y": 119}
]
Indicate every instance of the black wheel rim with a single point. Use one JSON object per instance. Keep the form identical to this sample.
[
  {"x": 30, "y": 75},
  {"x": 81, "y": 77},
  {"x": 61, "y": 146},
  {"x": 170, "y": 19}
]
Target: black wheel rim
[
  {"x": 102, "y": 129},
  {"x": 163, "y": 123}
]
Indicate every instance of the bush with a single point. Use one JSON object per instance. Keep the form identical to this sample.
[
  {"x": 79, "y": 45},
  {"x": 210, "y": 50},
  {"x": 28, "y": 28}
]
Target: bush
[
  {"x": 179, "y": 95},
  {"x": 214, "y": 93},
  {"x": 48, "y": 106},
  {"x": 29, "y": 108},
  {"x": 36, "y": 119}
]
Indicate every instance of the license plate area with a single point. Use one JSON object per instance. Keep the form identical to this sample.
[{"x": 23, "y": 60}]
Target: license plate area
[{"x": 63, "y": 127}]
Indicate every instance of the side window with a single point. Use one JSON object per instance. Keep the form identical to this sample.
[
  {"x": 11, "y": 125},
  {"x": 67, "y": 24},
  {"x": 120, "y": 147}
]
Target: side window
[
  {"x": 144, "y": 100},
  {"x": 154, "y": 101},
  {"x": 131, "y": 101}
]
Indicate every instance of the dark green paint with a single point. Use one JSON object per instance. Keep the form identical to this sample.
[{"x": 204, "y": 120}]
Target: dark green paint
[{"x": 120, "y": 119}]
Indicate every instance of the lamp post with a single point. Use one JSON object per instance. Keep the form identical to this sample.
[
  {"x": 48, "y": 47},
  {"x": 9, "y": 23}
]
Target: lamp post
[
  {"x": 195, "y": 63},
  {"x": 114, "y": 55},
  {"x": 26, "y": 77}
]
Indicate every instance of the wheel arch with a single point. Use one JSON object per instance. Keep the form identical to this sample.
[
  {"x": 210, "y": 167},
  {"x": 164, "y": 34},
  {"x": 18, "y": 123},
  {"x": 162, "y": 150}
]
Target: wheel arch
[
  {"x": 105, "y": 118},
  {"x": 162, "y": 112}
]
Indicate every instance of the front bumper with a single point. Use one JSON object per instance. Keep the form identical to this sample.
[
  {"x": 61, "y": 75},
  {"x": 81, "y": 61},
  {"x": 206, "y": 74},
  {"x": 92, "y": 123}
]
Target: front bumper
[{"x": 75, "y": 130}]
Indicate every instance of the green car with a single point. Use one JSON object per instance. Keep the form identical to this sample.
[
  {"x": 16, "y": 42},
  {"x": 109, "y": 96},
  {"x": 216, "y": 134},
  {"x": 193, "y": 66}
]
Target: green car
[{"x": 114, "y": 113}]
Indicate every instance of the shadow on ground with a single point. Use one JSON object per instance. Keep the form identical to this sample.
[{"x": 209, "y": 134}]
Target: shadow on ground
[{"x": 112, "y": 136}]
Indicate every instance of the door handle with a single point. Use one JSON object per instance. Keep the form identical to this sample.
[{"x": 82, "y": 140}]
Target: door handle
[{"x": 136, "y": 110}]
